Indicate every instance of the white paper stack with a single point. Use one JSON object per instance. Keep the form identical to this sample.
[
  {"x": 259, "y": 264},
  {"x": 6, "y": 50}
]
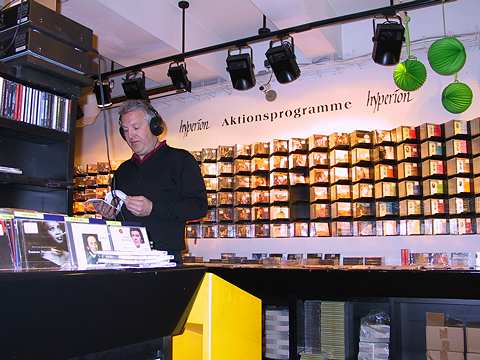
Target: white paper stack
[
  {"x": 333, "y": 329},
  {"x": 276, "y": 334},
  {"x": 152, "y": 258},
  {"x": 374, "y": 342}
]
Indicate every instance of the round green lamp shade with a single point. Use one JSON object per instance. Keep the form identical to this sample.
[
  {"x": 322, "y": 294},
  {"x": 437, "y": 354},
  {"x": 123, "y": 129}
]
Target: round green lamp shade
[
  {"x": 447, "y": 56},
  {"x": 410, "y": 75},
  {"x": 457, "y": 97}
]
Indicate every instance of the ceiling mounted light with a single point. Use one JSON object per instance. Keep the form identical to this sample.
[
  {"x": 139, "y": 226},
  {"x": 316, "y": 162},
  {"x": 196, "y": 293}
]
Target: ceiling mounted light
[
  {"x": 177, "y": 72},
  {"x": 387, "y": 42},
  {"x": 103, "y": 92},
  {"x": 283, "y": 61},
  {"x": 241, "y": 69},
  {"x": 134, "y": 85}
]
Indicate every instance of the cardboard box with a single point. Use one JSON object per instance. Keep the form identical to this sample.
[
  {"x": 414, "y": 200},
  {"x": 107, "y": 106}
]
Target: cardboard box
[
  {"x": 473, "y": 356},
  {"x": 446, "y": 338},
  {"x": 444, "y": 355},
  {"x": 473, "y": 339}
]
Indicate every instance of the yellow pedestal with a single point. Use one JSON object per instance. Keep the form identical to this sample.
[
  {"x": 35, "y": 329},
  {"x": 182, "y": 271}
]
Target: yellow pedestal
[{"x": 225, "y": 323}]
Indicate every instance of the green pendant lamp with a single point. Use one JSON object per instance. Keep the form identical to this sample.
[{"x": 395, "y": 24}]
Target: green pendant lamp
[
  {"x": 447, "y": 56},
  {"x": 410, "y": 74},
  {"x": 457, "y": 97}
]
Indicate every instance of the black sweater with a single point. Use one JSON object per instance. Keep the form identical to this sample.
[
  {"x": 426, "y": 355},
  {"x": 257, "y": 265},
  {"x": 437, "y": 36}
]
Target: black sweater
[{"x": 171, "y": 179}]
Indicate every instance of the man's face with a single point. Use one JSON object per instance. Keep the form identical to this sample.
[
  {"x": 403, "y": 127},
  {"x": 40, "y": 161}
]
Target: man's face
[
  {"x": 137, "y": 132},
  {"x": 136, "y": 238},
  {"x": 92, "y": 244}
]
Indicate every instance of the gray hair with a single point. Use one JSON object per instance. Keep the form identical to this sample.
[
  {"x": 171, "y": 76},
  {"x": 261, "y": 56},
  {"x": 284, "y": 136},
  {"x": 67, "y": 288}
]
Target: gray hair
[{"x": 132, "y": 105}]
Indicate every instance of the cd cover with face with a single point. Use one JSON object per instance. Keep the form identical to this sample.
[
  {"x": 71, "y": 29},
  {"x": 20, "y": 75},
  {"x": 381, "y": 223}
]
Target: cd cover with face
[
  {"x": 261, "y": 148},
  {"x": 384, "y": 153},
  {"x": 278, "y": 162},
  {"x": 225, "y": 152},
  {"x": 225, "y": 198},
  {"x": 124, "y": 238},
  {"x": 225, "y": 214},
  {"x": 319, "y": 176},
  {"x": 318, "y": 193},
  {"x": 298, "y": 144},
  {"x": 360, "y": 154},
  {"x": 192, "y": 231},
  {"x": 226, "y": 230},
  {"x": 7, "y": 257},
  {"x": 262, "y": 230},
  {"x": 260, "y": 196},
  {"x": 278, "y": 146},
  {"x": 260, "y": 164},
  {"x": 86, "y": 240},
  {"x": 225, "y": 183},
  {"x": 317, "y": 141},
  {"x": 209, "y": 231},
  {"x": 362, "y": 190},
  {"x": 428, "y": 131},
  {"x": 382, "y": 136},
  {"x": 360, "y": 137},
  {"x": 319, "y": 229},
  {"x": 44, "y": 243},
  {"x": 317, "y": 158},
  {"x": 338, "y": 139},
  {"x": 209, "y": 155},
  {"x": 318, "y": 211},
  {"x": 243, "y": 151}
]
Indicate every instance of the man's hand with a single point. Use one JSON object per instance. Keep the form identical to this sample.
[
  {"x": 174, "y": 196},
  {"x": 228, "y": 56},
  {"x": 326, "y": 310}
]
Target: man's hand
[{"x": 139, "y": 205}]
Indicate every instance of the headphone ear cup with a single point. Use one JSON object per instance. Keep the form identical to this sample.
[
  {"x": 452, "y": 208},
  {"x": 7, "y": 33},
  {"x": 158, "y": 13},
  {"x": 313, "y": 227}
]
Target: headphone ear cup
[{"x": 156, "y": 125}]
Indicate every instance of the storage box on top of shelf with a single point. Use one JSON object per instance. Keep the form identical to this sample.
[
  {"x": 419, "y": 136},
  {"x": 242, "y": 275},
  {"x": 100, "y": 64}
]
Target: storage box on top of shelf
[
  {"x": 298, "y": 178},
  {"x": 241, "y": 166},
  {"x": 242, "y": 151},
  {"x": 262, "y": 196},
  {"x": 383, "y": 136},
  {"x": 338, "y": 157},
  {"x": 241, "y": 182},
  {"x": 224, "y": 168},
  {"x": 386, "y": 208},
  {"x": 476, "y": 146},
  {"x": 387, "y": 228},
  {"x": 341, "y": 209},
  {"x": 260, "y": 164},
  {"x": 458, "y": 166},
  {"x": 209, "y": 230},
  {"x": 278, "y": 162},
  {"x": 278, "y": 146},
  {"x": 385, "y": 189},
  {"x": 338, "y": 191},
  {"x": 319, "y": 211},
  {"x": 435, "y": 207},
  {"x": 436, "y": 226},
  {"x": 299, "y": 229},
  {"x": 261, "y": 149},
  {"x": 409, "y": 188},
  {"x": 460, "y": 205},
  {"x": 362, "y": 190},
  {"x": 197, "y": 155},
  {"x": 338, "y": 174},
  {"x": 225, "y": 214},
  {"x": 319, "y": 176},
  {"x": 361, "y": 209},
  {"x": 361, "y": 173},
  {"x": 411, "y": 227},
  {"x": 279, "y": 230},
  {"x": 473, "y": 337},
  {"x": 364, "y": 228},
  {"x": 407, "y": 170},
  {"x": 279, "y": 212},
  {"x": 461, "y": 226},
  {"x": 383, "y": 153},
  {"x": 226, "y": 230},
  {"x": 338, "y": 139},
  {"x": 261, "y": 230},
  {"x": 342, "y": 228},
  {"x": 405, "y": 133},
  {"x": 225, "y": 198},
  {"x": 318, "y": 193},
  {"x": 297, "y": 161},
  {"x": 279, "y": 195},
  {"x": 225, "y": 183},
  {"x": 209, "y": 169},
  {"x": 457, "y": 147},
  {"x": 444, "y": 334},
  {"x": 360, "y": 154},
  {"x": 319, "y": 229},
  {"x": 434, "y": 187},
  {"x": 279, "y": 178},
  {"x": 244, "y": 230},
  {"x": 358, "y": 137},
  {"x": 225, "y": 152},
  {"x": 298, "y": 145},
  {"x": 429, "y": 131},
  {"x": 455, "y": 127},
  {"x": 445, "y": 355},
  {"x": 410, "y": 207},
  {"x": 433, "y": 168},
  {"x": 242, "y": 214},
  {"x": 431, "y": 149},
  {"x": 260, "y": 213},
  {"x": 459, "y": 185},
  {"x": 318, "y": 159},
  {"x": 407, "y": 151},
  {"x": 209, "y": 155},
  {"x": 212, "y": 199},
  {"x": 242, "y": 198},
  {"x": 317, "y": 142}
]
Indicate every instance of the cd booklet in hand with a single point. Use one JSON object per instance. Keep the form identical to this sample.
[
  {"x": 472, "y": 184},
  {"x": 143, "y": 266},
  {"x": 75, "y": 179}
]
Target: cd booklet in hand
[{"x": 118, "y": 195}]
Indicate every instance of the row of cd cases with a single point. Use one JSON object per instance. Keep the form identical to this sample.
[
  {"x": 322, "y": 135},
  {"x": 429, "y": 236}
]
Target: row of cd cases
[{"x": 437, "y": 226}]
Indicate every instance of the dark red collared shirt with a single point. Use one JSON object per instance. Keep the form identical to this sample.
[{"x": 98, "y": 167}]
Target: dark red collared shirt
[{"x": 139, "y": 161}]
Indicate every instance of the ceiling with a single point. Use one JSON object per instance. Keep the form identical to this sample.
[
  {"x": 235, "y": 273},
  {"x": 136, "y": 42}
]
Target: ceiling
[{"x": 134, "y": 31}]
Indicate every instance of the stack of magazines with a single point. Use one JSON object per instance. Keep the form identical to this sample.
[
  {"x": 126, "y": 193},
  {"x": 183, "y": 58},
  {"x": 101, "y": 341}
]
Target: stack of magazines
[{"x": 153, "y": 258}]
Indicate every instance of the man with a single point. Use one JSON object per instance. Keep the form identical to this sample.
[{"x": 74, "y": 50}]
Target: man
[
  {"x": 91, "y": 247},
  {"x": 164, "y": 185}
]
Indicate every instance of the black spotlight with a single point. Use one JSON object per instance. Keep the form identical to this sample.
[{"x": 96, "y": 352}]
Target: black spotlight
[
  {"x": 178, "y": 74},
  {"x": 283, "y": 61},
  {"x": 134, "y": 85},
  {"x": 104, "y": 86},
  {"x": 241, "y": 69},
  {"x": 387, "y": 42}
]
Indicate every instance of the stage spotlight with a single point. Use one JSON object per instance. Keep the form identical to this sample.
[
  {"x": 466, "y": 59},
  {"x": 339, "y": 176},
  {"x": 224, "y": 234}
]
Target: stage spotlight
[
  {"x": 134, "y": 85},
  {"x": 178, "y": 74},
  {"x": 241, "y": 69},
  {"x": 283, "y": 61},
  {"x": 387, "y": 42},
  {"x": 105, "y": 86}
]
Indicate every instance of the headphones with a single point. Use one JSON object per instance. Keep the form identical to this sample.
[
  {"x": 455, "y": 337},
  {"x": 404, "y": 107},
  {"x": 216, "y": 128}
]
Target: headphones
[{"x": 157, "y": 125}]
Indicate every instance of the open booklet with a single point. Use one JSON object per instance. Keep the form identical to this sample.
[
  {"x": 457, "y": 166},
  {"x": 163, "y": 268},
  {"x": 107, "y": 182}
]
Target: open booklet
[{"x": 113, "y": 197}]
